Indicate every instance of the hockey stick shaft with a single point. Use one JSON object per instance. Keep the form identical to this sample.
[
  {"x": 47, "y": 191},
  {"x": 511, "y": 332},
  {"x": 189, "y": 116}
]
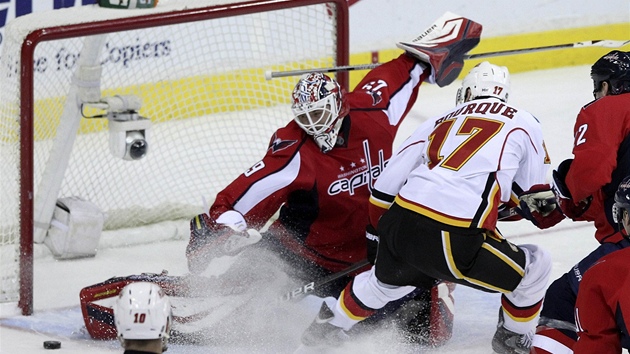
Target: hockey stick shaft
[
  {"x": 314, "y": 285},
  {"x": 594, "y": 43},
  {"x": 506, "y": 213},
  {"x": 275, "y": 74}
]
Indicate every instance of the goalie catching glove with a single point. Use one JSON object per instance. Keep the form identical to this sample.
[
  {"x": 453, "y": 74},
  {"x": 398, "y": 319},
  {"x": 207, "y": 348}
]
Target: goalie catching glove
[
  {"x": 539, "y": 206},
  {"x": 225, "y": 236},
  {"x": 443, "y": 46}
]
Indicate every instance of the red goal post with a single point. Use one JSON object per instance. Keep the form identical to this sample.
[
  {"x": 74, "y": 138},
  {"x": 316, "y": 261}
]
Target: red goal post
[{"x": 197, "y": 67}]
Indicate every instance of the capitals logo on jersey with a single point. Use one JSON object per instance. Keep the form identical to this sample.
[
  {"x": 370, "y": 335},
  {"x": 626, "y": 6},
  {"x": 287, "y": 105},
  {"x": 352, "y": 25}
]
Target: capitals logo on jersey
[
  {"x": 366, "y": 175},
  {"x": 278, "y": 144},
  {"x": 374, "y": 89}
]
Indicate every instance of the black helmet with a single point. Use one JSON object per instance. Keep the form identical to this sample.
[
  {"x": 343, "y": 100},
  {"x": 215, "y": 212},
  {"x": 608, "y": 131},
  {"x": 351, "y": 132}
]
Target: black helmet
[
  {"x": 613, "y": 68},
  {"x": 622, "y": 201}
]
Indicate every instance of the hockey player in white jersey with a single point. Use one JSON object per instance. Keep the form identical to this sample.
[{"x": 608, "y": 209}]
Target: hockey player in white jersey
[{"x": 436, "y": 207}]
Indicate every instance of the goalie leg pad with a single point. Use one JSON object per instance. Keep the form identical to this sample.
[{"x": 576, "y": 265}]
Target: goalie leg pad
[
  {"x": 423, "y": 317},
  {"x": 98, "y": 316},
  {"x": 428, "y": 318}
]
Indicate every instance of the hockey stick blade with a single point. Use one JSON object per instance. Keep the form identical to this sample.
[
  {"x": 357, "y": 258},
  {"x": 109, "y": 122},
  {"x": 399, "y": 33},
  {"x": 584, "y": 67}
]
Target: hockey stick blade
[
  {"x": 308, "y": 288},
  {"x": 607, "y": 43},
  {"x": 602, "y": 43}
]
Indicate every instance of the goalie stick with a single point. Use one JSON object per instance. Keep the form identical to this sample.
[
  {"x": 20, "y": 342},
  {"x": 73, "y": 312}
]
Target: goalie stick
[
  {"x": 593, "y": 43},
  {"x": 308, "y": 288}
]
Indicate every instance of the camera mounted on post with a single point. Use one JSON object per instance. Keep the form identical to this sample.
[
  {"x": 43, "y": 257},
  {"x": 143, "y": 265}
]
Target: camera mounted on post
[{"x": 128, "y": 131}]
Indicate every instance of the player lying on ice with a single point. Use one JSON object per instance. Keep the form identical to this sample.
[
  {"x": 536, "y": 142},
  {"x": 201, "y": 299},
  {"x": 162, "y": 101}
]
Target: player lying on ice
[
  {"x": 318, "y": 172},
  {"x": 436, "y": 205}
]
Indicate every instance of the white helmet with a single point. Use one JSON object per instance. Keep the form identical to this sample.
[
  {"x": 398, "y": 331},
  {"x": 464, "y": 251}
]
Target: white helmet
[
  {"x": 485, "y": 80},
  {"x": 142, "y": 311},
  {"x": 318, "y": 105}
]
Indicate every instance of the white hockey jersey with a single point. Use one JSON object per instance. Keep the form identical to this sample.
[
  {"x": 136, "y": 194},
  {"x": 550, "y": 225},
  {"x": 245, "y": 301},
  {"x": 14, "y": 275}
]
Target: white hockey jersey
[{"x": 460, "y": 167}]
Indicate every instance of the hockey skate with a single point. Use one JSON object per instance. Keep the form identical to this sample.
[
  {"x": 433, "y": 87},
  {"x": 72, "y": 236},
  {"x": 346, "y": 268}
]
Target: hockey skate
[
  {"x": 443, "y": 46},
  {"x": 508, "y": 342},
  {"x": 321, "y": 332}
]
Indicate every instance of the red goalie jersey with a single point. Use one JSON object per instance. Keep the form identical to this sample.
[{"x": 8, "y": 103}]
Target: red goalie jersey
[{"x": 322, "y": 197}]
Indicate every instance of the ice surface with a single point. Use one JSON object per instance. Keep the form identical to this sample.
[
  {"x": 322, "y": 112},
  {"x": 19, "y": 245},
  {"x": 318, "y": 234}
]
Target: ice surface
[{"x": 554, "y": 96}]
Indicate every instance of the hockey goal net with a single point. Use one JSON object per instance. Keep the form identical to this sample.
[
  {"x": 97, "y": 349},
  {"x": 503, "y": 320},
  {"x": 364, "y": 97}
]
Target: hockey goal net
[{"x": 197, "y": 68}]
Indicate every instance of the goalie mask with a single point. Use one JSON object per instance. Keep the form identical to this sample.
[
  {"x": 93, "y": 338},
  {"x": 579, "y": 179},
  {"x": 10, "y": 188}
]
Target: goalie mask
[
  {"x": 622, "y": 202},
  {"x": 318, "y": 108},
  {"x": 485, "y": 80},
  {"x": 142, "y": 312},
  {"x": 613, "y": 68}
]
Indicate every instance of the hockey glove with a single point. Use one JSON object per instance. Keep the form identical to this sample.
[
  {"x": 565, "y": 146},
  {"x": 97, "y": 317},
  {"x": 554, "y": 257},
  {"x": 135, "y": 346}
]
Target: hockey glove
[
  {"x": 201, "y": 227},
  {"x": 539, "y": 206},
  {"x": 571, "y": 209},
  {"x": 227, "y": 236},
  {"x": 443, "y": 46},
  {"x": 371, "y": 236}
]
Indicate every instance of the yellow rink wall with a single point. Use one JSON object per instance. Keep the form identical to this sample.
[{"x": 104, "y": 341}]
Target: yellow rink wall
[
  {"x": 531, "y": 61},
  {"x": 226, "y": 94}
]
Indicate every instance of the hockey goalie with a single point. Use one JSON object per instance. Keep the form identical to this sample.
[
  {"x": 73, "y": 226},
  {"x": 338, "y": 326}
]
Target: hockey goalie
[{"x": 318, "y": 171}]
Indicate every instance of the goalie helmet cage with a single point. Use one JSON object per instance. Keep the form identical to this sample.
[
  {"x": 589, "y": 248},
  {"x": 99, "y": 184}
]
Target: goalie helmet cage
[{"x": 198, "y": 68}]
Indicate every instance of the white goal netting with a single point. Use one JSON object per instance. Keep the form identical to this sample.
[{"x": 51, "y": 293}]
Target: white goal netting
[{"x": 201, "y": 83}]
